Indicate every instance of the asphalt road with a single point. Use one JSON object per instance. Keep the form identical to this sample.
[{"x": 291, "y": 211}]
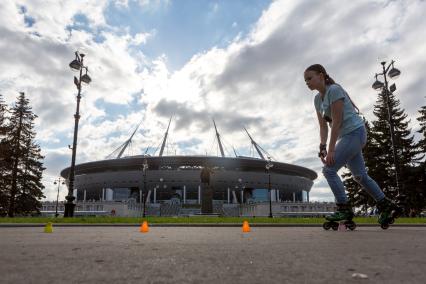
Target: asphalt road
[{"x": 212, "y": 255}]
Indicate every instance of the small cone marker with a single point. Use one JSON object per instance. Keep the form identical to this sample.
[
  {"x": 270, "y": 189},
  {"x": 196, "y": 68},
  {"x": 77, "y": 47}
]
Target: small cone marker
[
  {"x": 144, "y": 227},
  {"x": 246, "y": 227},
  {"x": 48, "y": 228}
]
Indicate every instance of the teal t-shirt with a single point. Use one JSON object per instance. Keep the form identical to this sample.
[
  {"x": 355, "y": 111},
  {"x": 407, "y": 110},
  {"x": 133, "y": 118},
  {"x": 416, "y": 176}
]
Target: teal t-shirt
[{"x": 351, "y": 119}]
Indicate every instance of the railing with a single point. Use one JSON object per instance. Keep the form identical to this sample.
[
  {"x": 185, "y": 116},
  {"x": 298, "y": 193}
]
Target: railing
[{"x": 169, "y": 209}]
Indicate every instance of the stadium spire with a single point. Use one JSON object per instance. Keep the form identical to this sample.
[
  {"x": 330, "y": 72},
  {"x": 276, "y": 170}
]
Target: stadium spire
[
  {"x": 124, "y": 146},
  {"x": 165, "y": 138},
  {"x": 256, "y": 146},
  {"x": 218, "y": 139}
]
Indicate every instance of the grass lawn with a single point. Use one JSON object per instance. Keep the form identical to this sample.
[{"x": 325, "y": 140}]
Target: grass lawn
[{"x": 197, "y": 219}]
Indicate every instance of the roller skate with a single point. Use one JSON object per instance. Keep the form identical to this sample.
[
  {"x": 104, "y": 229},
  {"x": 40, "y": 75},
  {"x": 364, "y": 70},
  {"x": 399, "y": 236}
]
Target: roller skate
[
  {"x": 389, "y": 211},
  {"x": 343, "y": 213}
]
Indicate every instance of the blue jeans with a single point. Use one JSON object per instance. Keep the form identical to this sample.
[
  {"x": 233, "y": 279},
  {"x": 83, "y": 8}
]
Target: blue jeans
[{"x": 348, "y": 152}]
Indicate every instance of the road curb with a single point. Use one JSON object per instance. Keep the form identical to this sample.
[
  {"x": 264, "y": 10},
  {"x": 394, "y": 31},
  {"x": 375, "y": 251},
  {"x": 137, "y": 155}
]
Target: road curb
[{"x": 16, "y": 225}]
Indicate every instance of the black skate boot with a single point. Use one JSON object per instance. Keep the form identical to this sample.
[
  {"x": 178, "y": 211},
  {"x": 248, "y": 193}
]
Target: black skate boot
[
  {"x": 389, "y": 211},
  {"x": 343, "y": 213}
]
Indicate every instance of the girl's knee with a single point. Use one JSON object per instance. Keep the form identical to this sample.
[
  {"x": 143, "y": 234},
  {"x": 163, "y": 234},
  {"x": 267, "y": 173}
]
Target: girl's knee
[
  {"x": 328, "y": 171},
  {"x": 360, "y": 178}
]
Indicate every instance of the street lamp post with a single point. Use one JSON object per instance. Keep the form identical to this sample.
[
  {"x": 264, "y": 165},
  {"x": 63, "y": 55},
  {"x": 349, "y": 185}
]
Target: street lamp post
[
  {"x": 58, "y": 181},
  {"x": 144, "y": 168},
  {"x": 240, "y": 187},
  {"x": 164, "y": 186},
  {"x": 378, "y": 85},
  {"x": 268, "y": 166},
  {"x": 76, "y": 65}
]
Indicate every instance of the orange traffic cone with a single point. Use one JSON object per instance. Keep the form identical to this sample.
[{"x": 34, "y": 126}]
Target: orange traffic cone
[
  {"x": 246, "y": 227},
  {"x": 144, "y": 227}
]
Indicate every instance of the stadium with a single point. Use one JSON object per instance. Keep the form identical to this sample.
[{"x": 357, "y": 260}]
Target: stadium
[{"x": 176, "y": 179}]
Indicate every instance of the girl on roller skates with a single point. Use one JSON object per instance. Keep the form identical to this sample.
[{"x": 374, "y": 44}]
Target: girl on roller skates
[{"x": 347, "y": 138}]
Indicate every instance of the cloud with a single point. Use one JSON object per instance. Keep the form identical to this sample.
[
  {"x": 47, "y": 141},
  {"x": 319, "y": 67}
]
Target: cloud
[
  {"x": 184, "y": 117},
  {"x": 256, "y": 81}
]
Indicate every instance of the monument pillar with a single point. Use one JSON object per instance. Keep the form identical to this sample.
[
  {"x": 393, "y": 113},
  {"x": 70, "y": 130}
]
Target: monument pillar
[{"x": 207, "y": 192}]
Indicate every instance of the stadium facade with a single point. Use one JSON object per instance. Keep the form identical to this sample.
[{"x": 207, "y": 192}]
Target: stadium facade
[{"x": 176, "y": 179}]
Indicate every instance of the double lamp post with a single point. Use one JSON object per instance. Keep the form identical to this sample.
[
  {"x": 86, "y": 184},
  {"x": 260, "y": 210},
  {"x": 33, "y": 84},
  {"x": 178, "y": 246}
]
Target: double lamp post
[
  {"x": 58, "y": 182},
  {"x": 393, "y": 73},
  {"x": 75, "y": 65}
]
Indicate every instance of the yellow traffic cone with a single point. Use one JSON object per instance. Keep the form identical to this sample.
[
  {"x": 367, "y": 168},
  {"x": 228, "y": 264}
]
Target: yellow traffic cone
[
  {"x": 144, "y": 227},
  {"x": 48, "y": 228},
  {"x": 246, "y": 227}
]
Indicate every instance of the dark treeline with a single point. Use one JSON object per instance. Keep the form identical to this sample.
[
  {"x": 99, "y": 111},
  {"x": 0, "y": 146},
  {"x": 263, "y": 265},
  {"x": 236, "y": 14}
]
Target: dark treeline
[
  {"x": 21, "y": 164},
  {"x": 379, "y": 159}
]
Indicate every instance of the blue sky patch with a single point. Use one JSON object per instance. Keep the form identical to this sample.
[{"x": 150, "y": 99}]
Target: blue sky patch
[
  {"x": 185, "y": 28},
  {"x": 28, "y": 20}
]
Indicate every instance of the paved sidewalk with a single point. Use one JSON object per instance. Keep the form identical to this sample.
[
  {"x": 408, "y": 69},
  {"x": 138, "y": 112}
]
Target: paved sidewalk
[{"x": 212, "y": 255}]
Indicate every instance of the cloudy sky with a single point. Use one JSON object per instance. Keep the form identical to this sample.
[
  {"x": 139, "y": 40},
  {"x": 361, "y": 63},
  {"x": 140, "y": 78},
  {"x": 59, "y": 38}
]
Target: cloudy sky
[{"x": 240, "y": 62}]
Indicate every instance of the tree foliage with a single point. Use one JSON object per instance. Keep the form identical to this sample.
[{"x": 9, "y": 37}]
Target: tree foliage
[
  {"x": 22, "y": 173},
  {"x": 379, "y": 158},
  {"x": 4, "y": 157},
  {"x": 422, "y": 131}
]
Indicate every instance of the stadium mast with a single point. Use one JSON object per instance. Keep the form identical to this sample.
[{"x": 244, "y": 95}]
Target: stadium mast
[
  {"x": 218, "y": 140},
  {"x": 124, "y": 146},
  {"x": 256, "y": 146},
  {"x": 165, "y": 138}
]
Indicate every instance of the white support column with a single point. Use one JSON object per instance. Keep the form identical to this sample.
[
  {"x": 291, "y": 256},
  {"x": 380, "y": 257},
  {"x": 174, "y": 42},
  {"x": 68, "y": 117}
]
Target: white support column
[
  {"x": 103, "y": 194},
  {"x": 155, "y": 194},
  {"x": 84, "y": 196},
  {"x": 74, "y": 193},
  {"x": 199, "y": 194},
  {"x": 294, "y": 196},
  {"x": 109, "y": 194},
  {"x": 307, "y": 196},
  {"x": 229, "y": 197},
  {"x": 184, "y": 194},
  {"x": 234, "y": 197},
  {"x": 148, "y": 197},
  {"x": 140, "y": 196},
  {"x": 242, "y": 197}
]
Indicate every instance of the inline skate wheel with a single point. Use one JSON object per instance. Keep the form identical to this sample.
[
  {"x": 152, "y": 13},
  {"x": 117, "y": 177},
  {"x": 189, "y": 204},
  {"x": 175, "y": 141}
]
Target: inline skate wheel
[
  {"x": 326, "y": 226},
  {"x": 384, "y": 226},
  {"x": 351, "y": 225}
]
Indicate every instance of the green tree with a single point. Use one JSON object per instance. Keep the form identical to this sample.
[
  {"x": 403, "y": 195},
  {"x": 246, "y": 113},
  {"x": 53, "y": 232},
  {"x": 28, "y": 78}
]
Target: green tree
[
  {"x": 26, "y": 167},
  {"x": 4, "y": 158},
  {"x": 422, "y": 143},
  {"x": 417, "y": 177},
  {"x": 406, "y": 150},
  {"x": 3, "y": 110}
]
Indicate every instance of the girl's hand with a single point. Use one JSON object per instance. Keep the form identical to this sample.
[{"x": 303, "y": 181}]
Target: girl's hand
[{"x": 329, "y": 160}]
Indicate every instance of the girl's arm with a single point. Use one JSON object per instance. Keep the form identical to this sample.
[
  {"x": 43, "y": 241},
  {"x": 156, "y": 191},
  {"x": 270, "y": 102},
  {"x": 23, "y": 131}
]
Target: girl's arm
[
  {"x": 323, "y": 128},
  {"x": 337, "y": 117}
]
